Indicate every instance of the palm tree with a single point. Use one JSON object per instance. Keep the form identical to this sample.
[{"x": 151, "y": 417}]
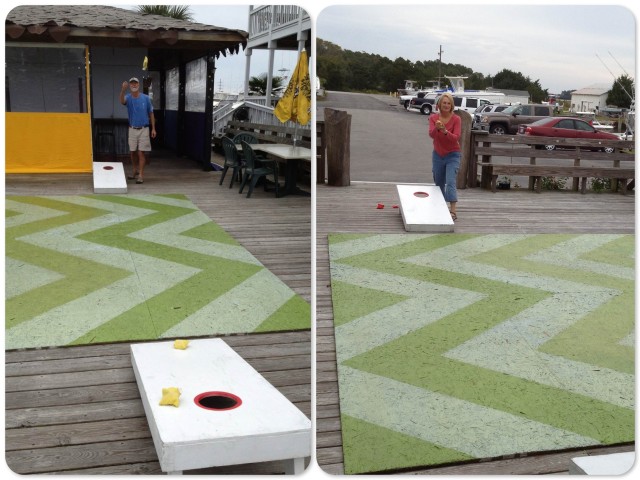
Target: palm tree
[
  {"x": 258, "y": 85},
  {"x": 179, "y": 12}
]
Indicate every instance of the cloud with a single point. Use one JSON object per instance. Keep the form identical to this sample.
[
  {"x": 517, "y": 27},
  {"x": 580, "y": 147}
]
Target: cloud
[{"x": 555, "y": 44}]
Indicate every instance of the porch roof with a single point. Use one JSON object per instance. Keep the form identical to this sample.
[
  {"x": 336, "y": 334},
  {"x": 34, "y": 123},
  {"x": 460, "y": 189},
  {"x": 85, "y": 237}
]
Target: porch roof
[{"x": 97, "y": 25}]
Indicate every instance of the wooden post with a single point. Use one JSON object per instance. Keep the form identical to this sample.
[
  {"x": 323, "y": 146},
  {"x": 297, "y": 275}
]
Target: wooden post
[
  {"x": 338, "y": 140},
  {"x": 465, "y": 148},
  {"x": 321, "y": 153}
]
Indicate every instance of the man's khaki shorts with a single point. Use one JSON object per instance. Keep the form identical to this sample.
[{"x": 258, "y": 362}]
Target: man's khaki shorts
[{"x": 139, "y": 139}]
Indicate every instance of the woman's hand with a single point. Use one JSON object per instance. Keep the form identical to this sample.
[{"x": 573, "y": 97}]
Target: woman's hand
[{"x": 439, "y": 125}]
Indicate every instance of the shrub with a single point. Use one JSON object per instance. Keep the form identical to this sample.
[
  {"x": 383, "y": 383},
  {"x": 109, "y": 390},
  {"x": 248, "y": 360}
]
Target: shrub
[
  {"x": 553, "y": 183},
  {"x": 600, "y": 184}
]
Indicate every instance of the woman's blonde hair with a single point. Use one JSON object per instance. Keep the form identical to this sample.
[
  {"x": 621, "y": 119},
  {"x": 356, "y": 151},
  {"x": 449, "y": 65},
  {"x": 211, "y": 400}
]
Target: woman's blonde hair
[{"x": 450, "y": 97}]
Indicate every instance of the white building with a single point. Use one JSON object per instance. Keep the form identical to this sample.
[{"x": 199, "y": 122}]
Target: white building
[
  {"x": 276, "y": 27},
  {"x": 588, "y": 99}
]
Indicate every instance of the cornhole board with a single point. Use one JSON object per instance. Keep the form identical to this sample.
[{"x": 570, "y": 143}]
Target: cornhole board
[
  {"x": 228, "y": 413},
  {"x": 109, "y": 177},
  {"x": 423, "y": 209},
  {"x": 612, "y": 464}
]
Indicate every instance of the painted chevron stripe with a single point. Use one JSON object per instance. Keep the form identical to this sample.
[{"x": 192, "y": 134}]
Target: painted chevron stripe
[
  {"x": 425, "y": 303},
  {"x": 101, "y": 268},
  {"x": 476, "y": 346},
  {"x": 446, "y": 420}
]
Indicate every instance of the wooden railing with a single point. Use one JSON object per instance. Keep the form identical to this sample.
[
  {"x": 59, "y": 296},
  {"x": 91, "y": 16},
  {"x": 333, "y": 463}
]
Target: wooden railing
[
  {"x": 269, "y": 19},
  {"x": 573, "y": 158},
  {"x": 251, "y": 112},
  {"x": 270, "y": 133}
]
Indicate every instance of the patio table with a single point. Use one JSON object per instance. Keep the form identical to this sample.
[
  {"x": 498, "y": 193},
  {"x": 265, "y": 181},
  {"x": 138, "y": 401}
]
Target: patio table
[{"x": 292, "y": 155}]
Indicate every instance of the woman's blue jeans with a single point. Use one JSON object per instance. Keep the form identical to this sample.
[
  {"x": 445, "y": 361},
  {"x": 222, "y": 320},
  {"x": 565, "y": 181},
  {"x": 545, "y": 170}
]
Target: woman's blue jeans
[{"x": 445, "y": 172}]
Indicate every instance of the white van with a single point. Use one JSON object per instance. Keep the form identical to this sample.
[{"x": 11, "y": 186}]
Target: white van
[{"x": 460, "y": 102}]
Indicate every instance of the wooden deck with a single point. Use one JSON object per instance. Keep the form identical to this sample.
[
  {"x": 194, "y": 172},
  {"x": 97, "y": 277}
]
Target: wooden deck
[
  {"x": 77, "y": 410},
  {"x": 353, "y": 209}
]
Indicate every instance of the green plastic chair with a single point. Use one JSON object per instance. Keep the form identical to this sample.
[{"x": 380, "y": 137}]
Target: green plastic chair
[
  {"x": 246, "y": 137},
  {"x": 253, "y": 171},
  {"x": 231, "y": 160},
  {"x": 252, "y": 139}
]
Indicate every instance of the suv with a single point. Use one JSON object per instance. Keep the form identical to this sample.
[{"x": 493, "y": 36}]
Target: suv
[
  {"x": 428, "y": 104},
  {"x": 405, "y": 100},
  {"x": 488, "y": 108},
  {"x": 507, "y": 121},
  {"x": 468, "y": 104},
  {"x": 425, "y": 104}
]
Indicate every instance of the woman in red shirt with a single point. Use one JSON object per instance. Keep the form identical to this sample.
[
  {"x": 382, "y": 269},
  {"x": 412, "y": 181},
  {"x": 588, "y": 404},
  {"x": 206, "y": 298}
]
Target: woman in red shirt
[{"x": 445, "y": 129}]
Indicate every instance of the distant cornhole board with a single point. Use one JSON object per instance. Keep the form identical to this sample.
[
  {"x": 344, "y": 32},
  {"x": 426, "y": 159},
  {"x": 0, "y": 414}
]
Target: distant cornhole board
[
  {"x": 423, "y": 209},
  {"x": 109, "y": 177},
  {"x": 611, "y": 464},
  {"x": 228, "y": 414}
]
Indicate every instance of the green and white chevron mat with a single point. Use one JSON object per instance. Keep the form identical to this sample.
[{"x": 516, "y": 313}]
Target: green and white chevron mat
[
  {"x": 107, "y": 268},
  {"x": 456, "y": 347}
]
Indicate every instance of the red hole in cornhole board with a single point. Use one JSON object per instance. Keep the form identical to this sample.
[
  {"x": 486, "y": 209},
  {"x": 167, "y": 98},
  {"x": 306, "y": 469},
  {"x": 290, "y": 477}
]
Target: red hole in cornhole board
[
  {"x": 217, "y": 401},
  {"x": 108, "y": 167},
  {"x": 421, "y": 194}
]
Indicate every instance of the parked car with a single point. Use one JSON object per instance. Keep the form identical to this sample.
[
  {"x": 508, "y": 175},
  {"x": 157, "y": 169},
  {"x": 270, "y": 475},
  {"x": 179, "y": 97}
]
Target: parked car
[
  {"x": 566, "y": 127},
  {"x": 429, "y": 103},
  {"x": 405, "y": 99},
  {"x": 425, "y": 103},
  {"x": 508, "y": 121},
  {"x": 488, "y": 108}
]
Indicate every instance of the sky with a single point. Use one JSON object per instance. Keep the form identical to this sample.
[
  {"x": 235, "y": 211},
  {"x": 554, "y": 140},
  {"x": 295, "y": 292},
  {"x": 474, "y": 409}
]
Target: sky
[{"x": 565, "y": 47}]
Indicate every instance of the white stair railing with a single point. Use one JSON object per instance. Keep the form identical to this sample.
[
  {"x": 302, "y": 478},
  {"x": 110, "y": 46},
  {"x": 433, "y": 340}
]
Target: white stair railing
[{"x": 255, "y": 113}]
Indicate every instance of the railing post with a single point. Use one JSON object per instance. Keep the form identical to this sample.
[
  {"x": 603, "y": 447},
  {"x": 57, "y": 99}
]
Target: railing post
[
  {"x": 465, "y": 148},
  {"x": 338, "y": 136},
  {"x": 321, "y": 153}
]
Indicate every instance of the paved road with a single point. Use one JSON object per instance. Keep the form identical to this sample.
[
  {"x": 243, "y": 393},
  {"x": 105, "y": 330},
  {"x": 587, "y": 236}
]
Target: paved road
[{"x": 388, "y": 143}]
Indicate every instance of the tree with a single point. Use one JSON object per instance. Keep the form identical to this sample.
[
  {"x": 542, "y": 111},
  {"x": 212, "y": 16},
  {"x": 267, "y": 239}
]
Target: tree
[
  {"x": 620, "y": 92},
  {"x": 179, "y": 12},
  {"x": 258, "y": 85}
]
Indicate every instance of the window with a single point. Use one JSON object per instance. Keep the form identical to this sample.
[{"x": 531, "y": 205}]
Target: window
[
  {"x": 45, "y": 79},
  {"x": 583, "y": 126},
  {"x": 472, "y": 102},
  {"x": 196, "y": 85},
  {"x": 567, "y": 123},
  {"x": 172, "y": 87}
]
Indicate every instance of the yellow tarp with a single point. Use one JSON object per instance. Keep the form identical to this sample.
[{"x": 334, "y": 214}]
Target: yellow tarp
[{"x": 48, "y": 143}]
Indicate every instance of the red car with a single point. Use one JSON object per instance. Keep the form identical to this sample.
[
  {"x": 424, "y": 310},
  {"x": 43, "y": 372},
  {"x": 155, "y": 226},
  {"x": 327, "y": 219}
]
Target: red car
[{"x": 565, "y": 127}]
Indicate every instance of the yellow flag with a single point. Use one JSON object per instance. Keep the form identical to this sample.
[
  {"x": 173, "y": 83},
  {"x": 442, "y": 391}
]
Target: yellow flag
[{"x": 295, "y": 104}]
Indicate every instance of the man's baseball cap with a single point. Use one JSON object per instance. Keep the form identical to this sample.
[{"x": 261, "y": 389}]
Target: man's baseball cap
[{"x": 134, "y": 79}]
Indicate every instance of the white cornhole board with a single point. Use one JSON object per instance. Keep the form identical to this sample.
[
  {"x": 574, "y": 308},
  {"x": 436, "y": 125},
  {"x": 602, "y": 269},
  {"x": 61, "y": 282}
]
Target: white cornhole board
[
  {"x": 108, "y": 177},
  {"x": 423, "y": 209},
  {"x": 612, "y": 464},
  {"x": 265, "y": 426}
]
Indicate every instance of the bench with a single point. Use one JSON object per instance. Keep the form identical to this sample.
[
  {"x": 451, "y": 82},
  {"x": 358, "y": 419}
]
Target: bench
[
  {"x": 536, "y": 172},
  {"x": 270, "y": 133},
  {"x": 574, "y": 158}
]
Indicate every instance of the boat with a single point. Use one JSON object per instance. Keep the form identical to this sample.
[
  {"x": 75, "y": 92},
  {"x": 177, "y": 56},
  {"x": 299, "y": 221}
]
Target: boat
[{"x": 457, "y": 89}]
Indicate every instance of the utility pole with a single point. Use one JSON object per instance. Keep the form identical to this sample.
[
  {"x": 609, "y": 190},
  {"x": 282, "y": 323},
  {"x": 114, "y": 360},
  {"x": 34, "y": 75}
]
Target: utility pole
[{"x": 439, "y": 66}]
